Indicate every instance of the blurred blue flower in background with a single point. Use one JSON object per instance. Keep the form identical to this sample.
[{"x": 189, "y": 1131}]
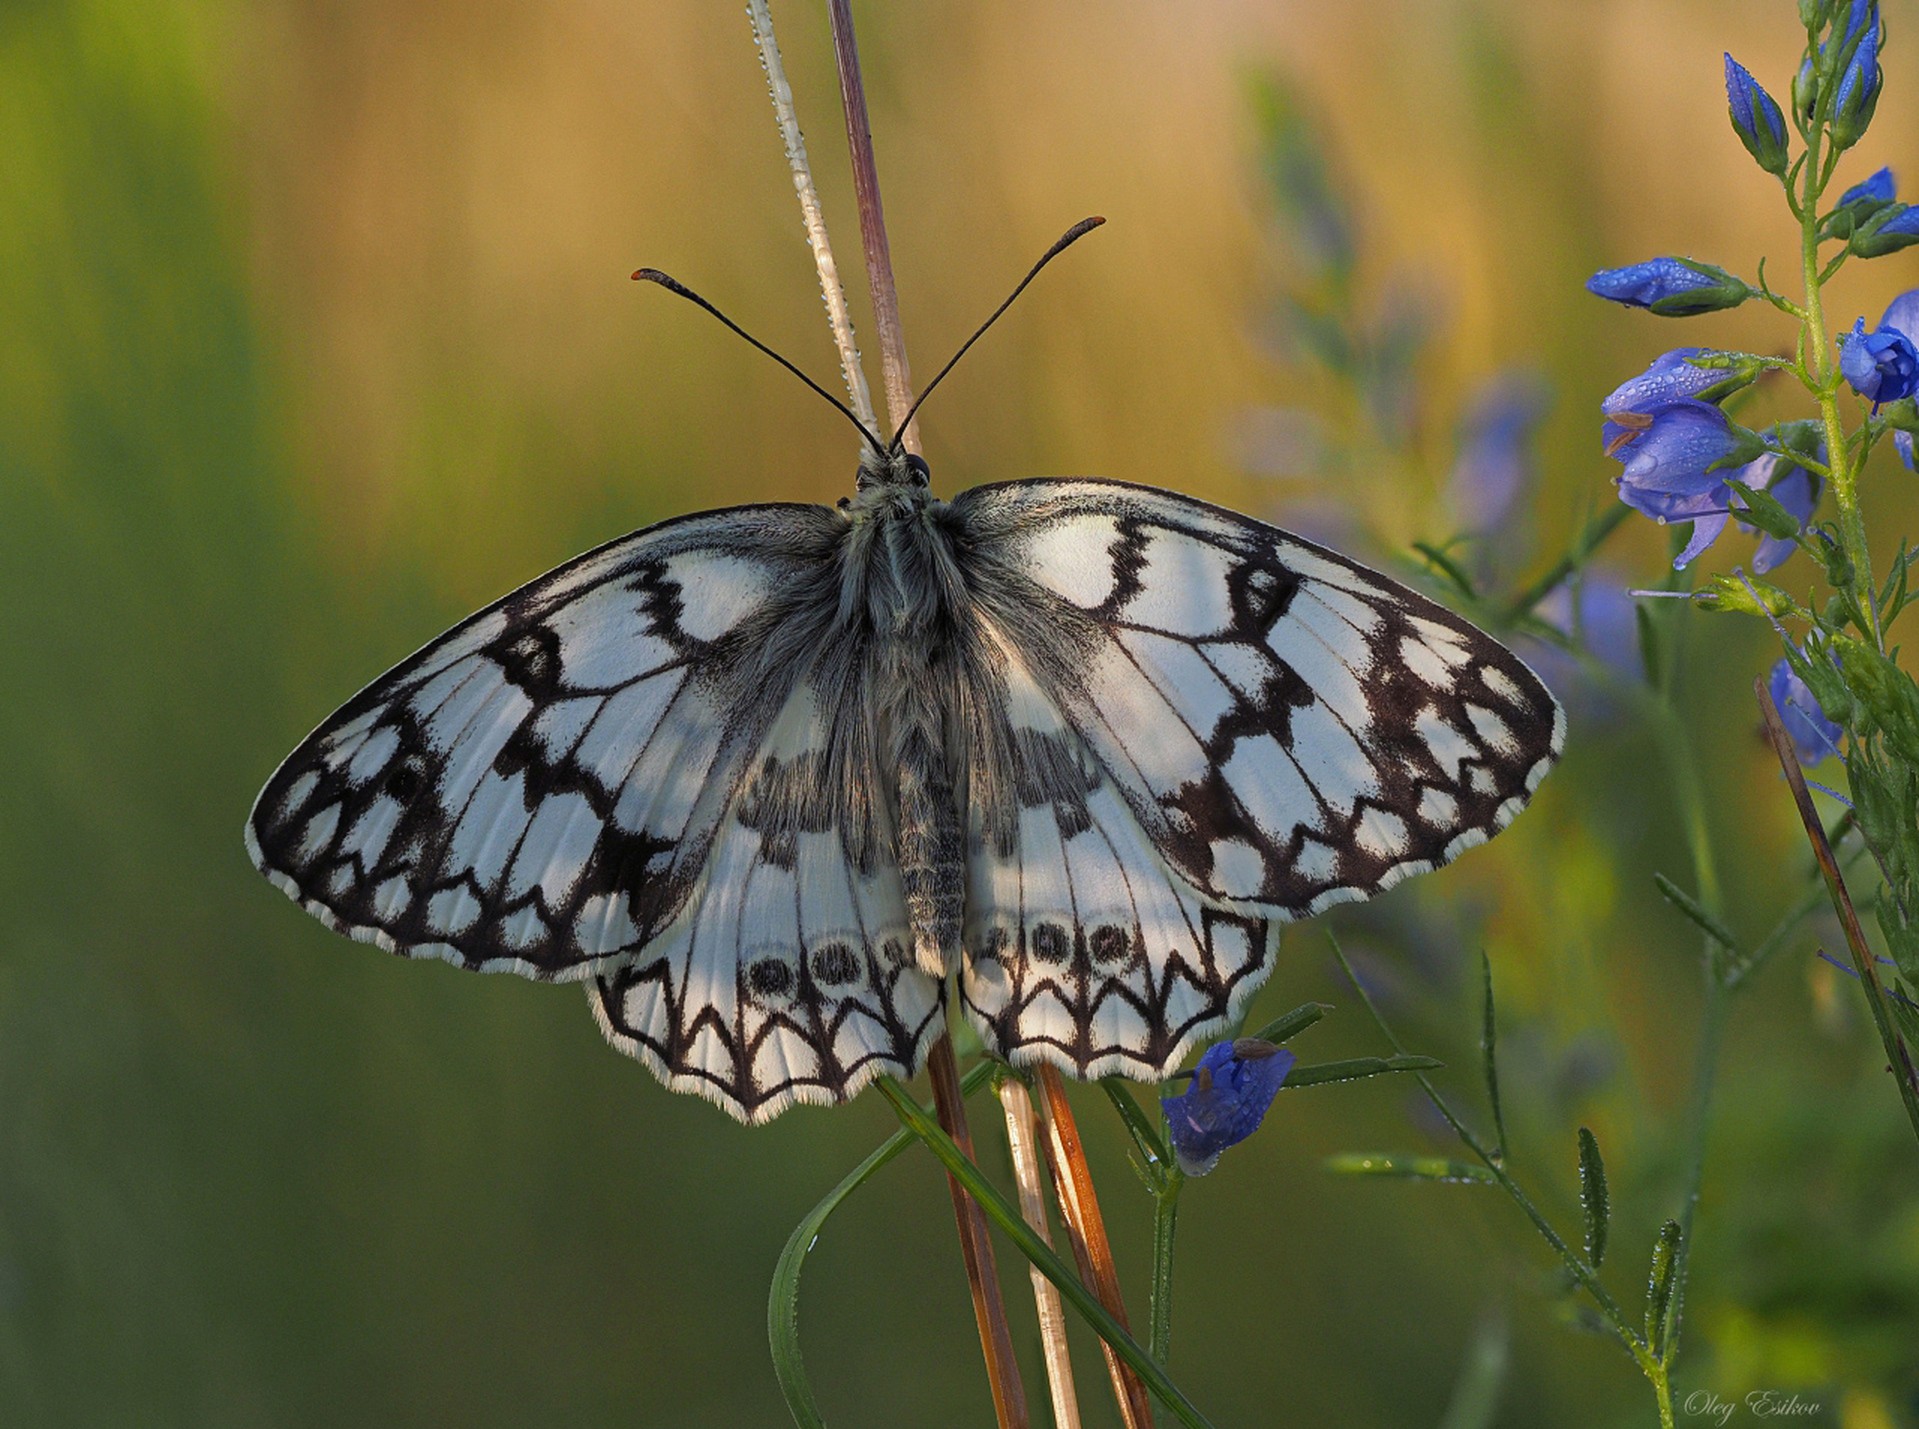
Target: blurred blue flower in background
[
  {"x": 1602, "y": 620},
  {"x": 1233, "y": 1085},
  {"x": 1813, "y": 735},
  {"x": 1494, "y": 465},
  {"x": 1670, "y": 287},
  {"x": 1881, "y": 365}
]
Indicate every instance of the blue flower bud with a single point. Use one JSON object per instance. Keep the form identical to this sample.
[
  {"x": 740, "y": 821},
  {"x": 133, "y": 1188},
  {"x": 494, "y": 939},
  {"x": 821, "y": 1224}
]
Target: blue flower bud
[
  {"x": 1857, "y": 205},
  {"x": 1858, "y": 93},
  {"x": 1233, "y": 1085},
  {"x": 1893, "y": 227},
  {"x": 1756, "y": 118},
  {"x": 1878, "y": 188},
  {"x": 1881, "y": 365},
  {"x": 1670, "y": 287},
  {"x": 1814, "y": 736}
]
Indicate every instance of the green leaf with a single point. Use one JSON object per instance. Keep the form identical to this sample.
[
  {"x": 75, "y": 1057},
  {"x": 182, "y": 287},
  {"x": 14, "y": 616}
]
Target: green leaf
[
  {"x": 1144, "y": 1133},
  {"x": 1409, "y": 1168},
  {"x": 783, "y": 1299},
  {"x": 1447, "y": 567},
  {"x": 1665, "y": 1262},
  {"x": 1012, "y": 1225},
  {"x": 1489, "y": 1053},
  {"x": 1353, "y": 1068},
  {"x": 1283, "y": 1028},
  {"x": 1762, "y": 509},
  {"x": 1690, "y": 906},
  {"x": 1593, "y": 1196}
]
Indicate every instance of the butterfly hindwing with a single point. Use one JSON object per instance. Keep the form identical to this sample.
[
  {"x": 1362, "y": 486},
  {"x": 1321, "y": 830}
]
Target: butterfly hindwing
[
  {"x": 538, "y": 788},
  {"x": 1083, "y": 947},
  {"x": 789, "y": 974},
  {"x": 1290, "y": 729}
]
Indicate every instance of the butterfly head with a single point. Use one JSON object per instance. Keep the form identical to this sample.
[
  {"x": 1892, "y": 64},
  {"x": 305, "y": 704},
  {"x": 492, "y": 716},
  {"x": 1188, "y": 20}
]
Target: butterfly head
[{"x": 897, "y": 468}]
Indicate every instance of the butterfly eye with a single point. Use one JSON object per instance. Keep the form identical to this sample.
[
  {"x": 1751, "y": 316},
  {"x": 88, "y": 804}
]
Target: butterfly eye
[{"x": 922, "y": 474}]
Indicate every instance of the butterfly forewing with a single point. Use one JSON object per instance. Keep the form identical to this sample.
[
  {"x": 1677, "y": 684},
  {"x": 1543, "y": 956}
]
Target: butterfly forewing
[
  {"x": 539, "y": 788},
  {"x": 1291, "y": 730}
]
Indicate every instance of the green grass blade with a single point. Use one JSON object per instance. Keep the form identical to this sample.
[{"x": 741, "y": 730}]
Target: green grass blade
[
  {"x": 1489, "y": 1051},
  {"x": 783, "y": 1299},
  {"x": 1013, "y": 1226},
  {"x": 1354, "y": 1068}
]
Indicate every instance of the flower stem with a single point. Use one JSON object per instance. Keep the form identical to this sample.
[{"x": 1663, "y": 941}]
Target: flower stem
[
  {"x": 879, "y": 254},
  {"x": 1897, "y": 1054},
  {"x": 1022, "y": 1137},
  {"x": 1165, "y": 1221},
  {"x": 1086, "y": 1228},
  {"x": 1576, "y": 1264},
  {"x": 838, "y": 317},
  {"x": 976, "y": 1248},
  {"x": 1825, "y": 388}
]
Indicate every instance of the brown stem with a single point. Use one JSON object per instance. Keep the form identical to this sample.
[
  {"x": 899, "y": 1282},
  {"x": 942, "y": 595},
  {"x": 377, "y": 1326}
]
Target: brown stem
[
  {"x": 976, "y": 1248},
  {"x": 1862, "y": 959},
  {"x": 879, "y": 257},
  {"x": 1086, "y": 1229}
]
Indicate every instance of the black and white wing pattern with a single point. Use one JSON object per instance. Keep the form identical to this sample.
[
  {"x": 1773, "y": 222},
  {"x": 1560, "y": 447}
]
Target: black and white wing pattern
[
  {"x": 1083, "y": 945},
  {"x": 789, "y": 975},
  {"x": 544, "y": 789},
  {"x": 1273, "y": 726}
]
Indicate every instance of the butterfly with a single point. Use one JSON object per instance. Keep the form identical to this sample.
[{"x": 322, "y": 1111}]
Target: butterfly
[{"x": 776, "y": 782}]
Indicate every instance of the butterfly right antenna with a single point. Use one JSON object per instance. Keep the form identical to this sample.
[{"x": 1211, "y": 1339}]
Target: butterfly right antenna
[
  {"x": 1066, "y": 240},
  {"x": 674, "y": 285}
]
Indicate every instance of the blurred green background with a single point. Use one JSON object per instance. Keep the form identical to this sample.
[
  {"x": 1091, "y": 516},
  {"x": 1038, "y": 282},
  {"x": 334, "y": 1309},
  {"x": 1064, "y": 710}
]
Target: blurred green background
[{"x": 315, "y": 334}]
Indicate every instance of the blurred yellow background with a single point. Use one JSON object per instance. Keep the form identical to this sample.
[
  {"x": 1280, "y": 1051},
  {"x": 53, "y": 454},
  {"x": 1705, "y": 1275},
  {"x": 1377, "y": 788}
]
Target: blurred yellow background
[{"x": 316, "y": 333}]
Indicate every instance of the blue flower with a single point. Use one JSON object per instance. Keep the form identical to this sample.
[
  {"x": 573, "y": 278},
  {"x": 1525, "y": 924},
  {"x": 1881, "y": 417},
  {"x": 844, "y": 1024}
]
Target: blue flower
[
  {"x": 1495, "y": 457},
  {"x": 1670, "y": 287},
  {"x": 1603, "y": 620},
  {"x": 1670, "y": 471},
  {"x": 1756, "y": 118},
  {"x": 1671, "y": 377},
  {"x": 1858, "y": 93},
  {"x": 1882, "y": 365},
  {"x": 1232, "y": 1086},
  {"x": 1902, "y": 315},
  {"x": 1876, "y": 190},
  {"x": 1886, "y": 230},
  {"x": 1813, "y": 735}
]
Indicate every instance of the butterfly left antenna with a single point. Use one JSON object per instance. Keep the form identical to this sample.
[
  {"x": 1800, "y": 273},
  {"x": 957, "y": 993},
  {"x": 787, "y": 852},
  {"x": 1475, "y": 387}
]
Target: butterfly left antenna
[
  {"x": 674, "y": 285},
  {"x": 1066, "y": 240}
]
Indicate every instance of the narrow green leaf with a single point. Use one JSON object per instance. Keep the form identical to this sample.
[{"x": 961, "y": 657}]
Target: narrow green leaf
[
  {"x": 1648, "y": 641},
  {"x": 1144, "y": 1133},
  {"x": 1290, "y": 1025},
  {"x": 1762, "y": 509},
  {"x": 1353, "y": 1068},
  {"x": 1488, "y": 1049},
  {"x": 1448, "y": 567},
  {"x": 1475, "y": 1399},
  {"x": 1409, "y": 1168},
  {"x": 1688, "y": 905},
  {"x": 783, "y": 1299},
  {"x": 1665, "y": 1260},
  {"x": 1013, "y": 1226},
  {"x": 1593, "y": 1196}
]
